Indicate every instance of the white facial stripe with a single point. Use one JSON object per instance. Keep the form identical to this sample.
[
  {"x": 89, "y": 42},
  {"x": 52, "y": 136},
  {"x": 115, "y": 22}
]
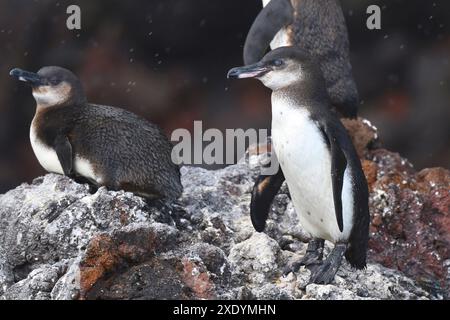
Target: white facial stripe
[
  {"x": 49, "y": 96},
  {"x": 22, "y": 79},
  {"x": 279, "y": 79},
  {"x": 265, "y": 2}
]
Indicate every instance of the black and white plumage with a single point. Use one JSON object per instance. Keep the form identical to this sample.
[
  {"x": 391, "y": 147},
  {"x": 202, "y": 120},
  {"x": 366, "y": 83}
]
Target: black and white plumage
[
  {"x": 317, "y": 159},
  {"x": 105, "y": 145},
  {"x": 317, "y": 27}
]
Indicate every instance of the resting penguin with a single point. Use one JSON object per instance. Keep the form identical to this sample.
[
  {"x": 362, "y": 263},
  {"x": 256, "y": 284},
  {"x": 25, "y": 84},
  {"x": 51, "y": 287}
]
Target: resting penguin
[
  {"x": 318, "y": 160},
  {"x": 107, "y": 146},
  {"x": 317, "y": 27}
]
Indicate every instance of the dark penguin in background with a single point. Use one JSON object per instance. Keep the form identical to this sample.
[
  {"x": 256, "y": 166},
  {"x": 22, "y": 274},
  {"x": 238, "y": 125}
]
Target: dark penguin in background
[
  {"x": 107, "y": 146},
  {"x": 318, "y": 160},
  {"x": 317, "y": 27}
]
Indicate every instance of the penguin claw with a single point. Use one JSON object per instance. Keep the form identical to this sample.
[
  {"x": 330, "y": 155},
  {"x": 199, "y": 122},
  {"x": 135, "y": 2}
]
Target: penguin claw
[
  {"x": 311, "y": 259},
  {"x": 325, "y": 273},
  {"x": 292, "y": 267},
  {"x": 314, "y": 253}
]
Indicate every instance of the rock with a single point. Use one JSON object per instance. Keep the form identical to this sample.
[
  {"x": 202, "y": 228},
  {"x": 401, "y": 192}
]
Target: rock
[
  {"x": 410, "y": 228},
  {"x": 152, "y": 279},
  {"x": 256, "y": 258},
  {"x": 376, "y": 282},
  {"x": 59, "y": 241},
  {"x": 363, "y": 134},
  {"x": 38, "y": 284}
]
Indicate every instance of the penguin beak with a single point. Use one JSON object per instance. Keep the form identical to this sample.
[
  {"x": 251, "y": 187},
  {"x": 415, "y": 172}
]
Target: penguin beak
[
  {"x": 252, "y": 71},
  {"x": 28, "y": 77}
]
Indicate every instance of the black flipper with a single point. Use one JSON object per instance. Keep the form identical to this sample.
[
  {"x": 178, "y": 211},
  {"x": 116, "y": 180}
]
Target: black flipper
[
  {"x": 338, "y": 165},
  {"x": 343, "y": 152},
  {"x": 63, "y": 149},
  {"x": 264, "y": 191},
  {"x": 276, "y": 15}
]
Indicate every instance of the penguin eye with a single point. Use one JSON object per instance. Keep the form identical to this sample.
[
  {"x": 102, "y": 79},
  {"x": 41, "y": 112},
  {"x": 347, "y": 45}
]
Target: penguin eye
[
  {"x": 53, "y": 81},
  {"x": 278, "y": 62}
]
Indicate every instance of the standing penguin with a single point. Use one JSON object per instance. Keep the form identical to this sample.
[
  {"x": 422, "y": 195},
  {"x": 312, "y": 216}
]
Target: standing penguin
[
  {"x": 317, "y": 27},
  {"x": 318, "y": 160},
  {"x": 107, "y": 146}
]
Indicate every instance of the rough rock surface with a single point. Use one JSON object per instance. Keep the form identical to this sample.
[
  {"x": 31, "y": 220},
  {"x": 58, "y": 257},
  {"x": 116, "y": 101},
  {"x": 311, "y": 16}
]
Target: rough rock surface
[
  {"x": 410, "y": 210},
  {"x": 59, "y": 241}
]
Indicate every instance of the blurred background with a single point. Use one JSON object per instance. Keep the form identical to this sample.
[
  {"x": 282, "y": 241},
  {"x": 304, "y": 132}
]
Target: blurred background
[{"x": 167, "y": 61}]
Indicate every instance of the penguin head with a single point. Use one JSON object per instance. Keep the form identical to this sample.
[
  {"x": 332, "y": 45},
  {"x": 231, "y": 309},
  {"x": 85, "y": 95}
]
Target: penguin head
[
  {"x": 280, "y": 68},
  {"x": 52, "y": 86}
]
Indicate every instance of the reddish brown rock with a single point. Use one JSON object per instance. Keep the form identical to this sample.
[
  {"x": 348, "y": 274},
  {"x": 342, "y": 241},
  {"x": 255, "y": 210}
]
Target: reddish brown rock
[
  {"x": 370, "y": 171},
  {"x": 410, "y": 228},
  {"x": 436, "y": 182},
  {"x": 107, "y": 254},
  {"x": 129, "y": 264},
  {"x": 101, "y": 257},
  {"x": 155, "y": 278},
  {"x": 196, "y": 277},
  {"x": 363, "y": 134}
]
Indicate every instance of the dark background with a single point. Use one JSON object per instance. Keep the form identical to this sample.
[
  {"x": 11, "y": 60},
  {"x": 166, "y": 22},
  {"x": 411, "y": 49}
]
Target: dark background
[{"x": 167, "y": 60}]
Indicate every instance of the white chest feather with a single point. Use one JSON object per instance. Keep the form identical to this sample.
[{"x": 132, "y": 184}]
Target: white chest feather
[
  {"x": 48, "y": 159},
  {"x": 306, "y": 163}
]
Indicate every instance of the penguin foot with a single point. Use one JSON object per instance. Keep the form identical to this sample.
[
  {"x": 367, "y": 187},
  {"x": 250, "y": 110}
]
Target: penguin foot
[
  {"x": 314, "y": 253},
  {"x": 312, "y": 257},
  {"x": 325, "y": 273}
]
